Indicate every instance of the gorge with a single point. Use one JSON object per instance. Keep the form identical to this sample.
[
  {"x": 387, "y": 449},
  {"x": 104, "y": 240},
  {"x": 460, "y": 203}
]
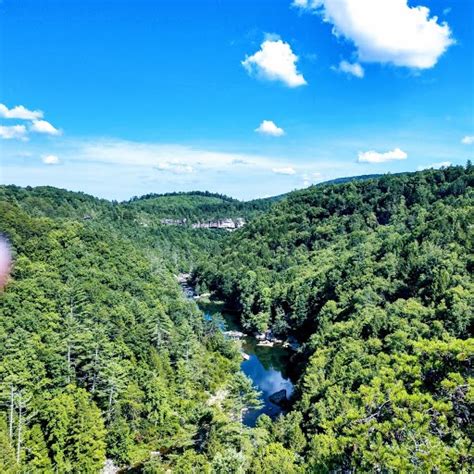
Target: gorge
[
  {"x": 266, "y": 366},
  {"x": 369, "y": 281}
]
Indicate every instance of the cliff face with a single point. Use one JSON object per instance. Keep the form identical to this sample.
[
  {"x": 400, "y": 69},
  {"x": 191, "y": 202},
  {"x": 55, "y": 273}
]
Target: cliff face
[{"x": 227, "y": 224}]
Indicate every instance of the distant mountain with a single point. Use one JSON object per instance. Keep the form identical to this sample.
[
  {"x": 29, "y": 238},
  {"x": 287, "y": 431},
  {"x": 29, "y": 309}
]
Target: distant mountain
[
  {"x": 197, "y": 206},
  {"x": 205, "y": 194},
  {"x": 349, "y": 179}
]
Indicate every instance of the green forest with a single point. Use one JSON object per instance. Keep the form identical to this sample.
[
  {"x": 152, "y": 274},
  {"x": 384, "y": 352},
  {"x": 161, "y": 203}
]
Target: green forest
[{"x": 103, "y": 358}]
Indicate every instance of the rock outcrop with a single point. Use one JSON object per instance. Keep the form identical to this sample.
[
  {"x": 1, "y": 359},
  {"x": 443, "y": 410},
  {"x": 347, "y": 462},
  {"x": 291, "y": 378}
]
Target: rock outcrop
[
  {"x": 227, "y": 224},
  {"x": 278, "y": 398}
]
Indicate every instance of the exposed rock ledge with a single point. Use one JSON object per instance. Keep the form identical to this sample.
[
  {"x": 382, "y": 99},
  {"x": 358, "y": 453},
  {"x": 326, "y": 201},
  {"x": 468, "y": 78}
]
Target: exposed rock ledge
[{"x": 227, "y": 224}]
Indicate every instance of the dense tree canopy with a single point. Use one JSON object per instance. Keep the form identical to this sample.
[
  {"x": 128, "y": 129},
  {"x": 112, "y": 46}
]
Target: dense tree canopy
[
  {"x": 100, "y": 352},
  {"x": 102, "y": 356},
  {"x": 375, "y": 279}
]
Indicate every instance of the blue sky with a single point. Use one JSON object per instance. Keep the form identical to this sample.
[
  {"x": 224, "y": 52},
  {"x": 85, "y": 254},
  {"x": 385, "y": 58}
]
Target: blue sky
[{"x": 248, "y": 98}]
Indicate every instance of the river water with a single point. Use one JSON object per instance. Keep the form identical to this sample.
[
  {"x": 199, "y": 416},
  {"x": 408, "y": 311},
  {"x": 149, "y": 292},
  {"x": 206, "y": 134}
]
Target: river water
[
  {"x": 266, "y": 366},
  {"x": 266, "y": 369}
]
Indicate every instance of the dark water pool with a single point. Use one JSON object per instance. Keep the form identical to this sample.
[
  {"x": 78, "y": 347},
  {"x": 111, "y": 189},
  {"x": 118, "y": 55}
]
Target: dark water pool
[{"x": 267, "y": 367}]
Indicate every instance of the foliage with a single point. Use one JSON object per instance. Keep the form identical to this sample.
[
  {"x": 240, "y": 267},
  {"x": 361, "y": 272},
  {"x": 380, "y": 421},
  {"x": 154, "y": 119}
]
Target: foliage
[
  {"x": 374, "y": 277},
  {"x": 100, "y": 352},
  {"x": 101, "y": 355}
]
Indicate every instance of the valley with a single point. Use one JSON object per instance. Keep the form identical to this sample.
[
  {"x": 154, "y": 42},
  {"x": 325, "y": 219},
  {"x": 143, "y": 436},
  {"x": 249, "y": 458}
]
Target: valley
[
  {"x": 368, "y": 281},
  {"x": 265, "y": 365}
]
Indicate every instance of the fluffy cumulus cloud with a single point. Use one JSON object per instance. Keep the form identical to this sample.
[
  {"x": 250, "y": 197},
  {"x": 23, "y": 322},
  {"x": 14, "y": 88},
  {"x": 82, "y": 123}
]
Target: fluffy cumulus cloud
[
  {"x": 275, "y": 61},
  {"x": 354, "y": 69},
  {"x": 468, "y": 140},
  {"x": 42, "y": 126},
  {"x": 388, "y": 31},
  {"x": 50, "y": 160},
  {"x": 19, "y": 112},
  {"x": 268, "y": 127},
  {"x": 34, "y": 123},
  {"x": 13, "y": 132},
  {"x": 376, "y": 157},
  {"x": 285, "y": 170}
]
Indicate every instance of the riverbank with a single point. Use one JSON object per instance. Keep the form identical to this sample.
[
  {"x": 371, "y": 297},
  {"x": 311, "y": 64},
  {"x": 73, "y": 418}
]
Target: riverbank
[{"x": 264, "y": 360}]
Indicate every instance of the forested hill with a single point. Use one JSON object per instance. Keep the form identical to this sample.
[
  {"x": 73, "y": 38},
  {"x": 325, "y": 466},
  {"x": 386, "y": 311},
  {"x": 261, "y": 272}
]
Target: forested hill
[
  {"x": 375, "y": 278},
  {"x": 141, "y": 219},
  {"x": 197, "y": 206},
  {"x": 101, "y": 356},
  {"x": 146, "y": 210}
]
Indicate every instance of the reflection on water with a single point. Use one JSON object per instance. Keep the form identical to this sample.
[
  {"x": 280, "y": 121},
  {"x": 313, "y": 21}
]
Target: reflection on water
[{"x": 266, "y": 367}]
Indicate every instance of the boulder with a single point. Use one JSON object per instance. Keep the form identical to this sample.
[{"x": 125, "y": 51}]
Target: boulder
[{"x": 278, "y": 398}]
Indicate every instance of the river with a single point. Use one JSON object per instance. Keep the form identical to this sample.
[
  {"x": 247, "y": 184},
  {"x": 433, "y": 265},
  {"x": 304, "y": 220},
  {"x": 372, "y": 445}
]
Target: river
[{"x": 266, "y": 366}]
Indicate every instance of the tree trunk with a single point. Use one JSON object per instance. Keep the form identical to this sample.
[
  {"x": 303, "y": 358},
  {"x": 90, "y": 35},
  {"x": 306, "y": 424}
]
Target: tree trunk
[
  {"x": 20, "y": 421},
  {"x": 94, "y": 378},
  {"x": 68, "y": 363},
  {"x": 12, "y": 394},
  {"x": 109, "y": 409}
]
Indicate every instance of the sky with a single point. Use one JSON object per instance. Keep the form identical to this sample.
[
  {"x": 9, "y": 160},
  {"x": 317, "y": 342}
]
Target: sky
[{"x": 246, "y": 98}]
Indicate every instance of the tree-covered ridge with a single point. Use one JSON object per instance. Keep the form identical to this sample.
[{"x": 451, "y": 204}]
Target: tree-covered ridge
[
  {"x": 205, "y": 194},
  {"x": 198, "y": 207},
  {"x": 48, "y": 201},
  {"x": 375, "y": 278},
  {"x": 142, "y": 219},
  {"x": 101, "y": 354},
  {"x": 179, "y": 248}
]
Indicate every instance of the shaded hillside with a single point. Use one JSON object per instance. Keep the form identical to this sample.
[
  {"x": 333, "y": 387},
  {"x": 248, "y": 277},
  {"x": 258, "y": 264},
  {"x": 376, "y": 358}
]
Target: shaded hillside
[
  {"x": 100, "y": 353},
  {"x": 197, "y": 206},
  {"x": 375, "y": 278}
]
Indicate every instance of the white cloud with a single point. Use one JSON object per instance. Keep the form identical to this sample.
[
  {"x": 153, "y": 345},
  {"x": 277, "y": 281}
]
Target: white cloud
[
  {"x": 171, "y": 158},
  {"x": 19, "y": 112},
  {"x": 442, "y": 164},
  {"x": 309, "y": 179},
  {"x": 164, "y": 156},
  {"x": 350, "y": 68},
  {"x": 177, "y": 168},
  {"x": 275, "y": 61},
  {"x": 304, "y": 4},
  {"x": 240, "y": 161},
  {"x": 268, "y": 127},
  {"x": 42, "y": 126},
  {"x": 468, "y": 140},
  {"x": 117, "y": 169},
  {"x": 388, "y": 31},
  {"x": 13, "y": 132},
  {"x": 287, "y": 170},
  {"x": 376, "y": 157},
  {"x": 50, "y": 160}
]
